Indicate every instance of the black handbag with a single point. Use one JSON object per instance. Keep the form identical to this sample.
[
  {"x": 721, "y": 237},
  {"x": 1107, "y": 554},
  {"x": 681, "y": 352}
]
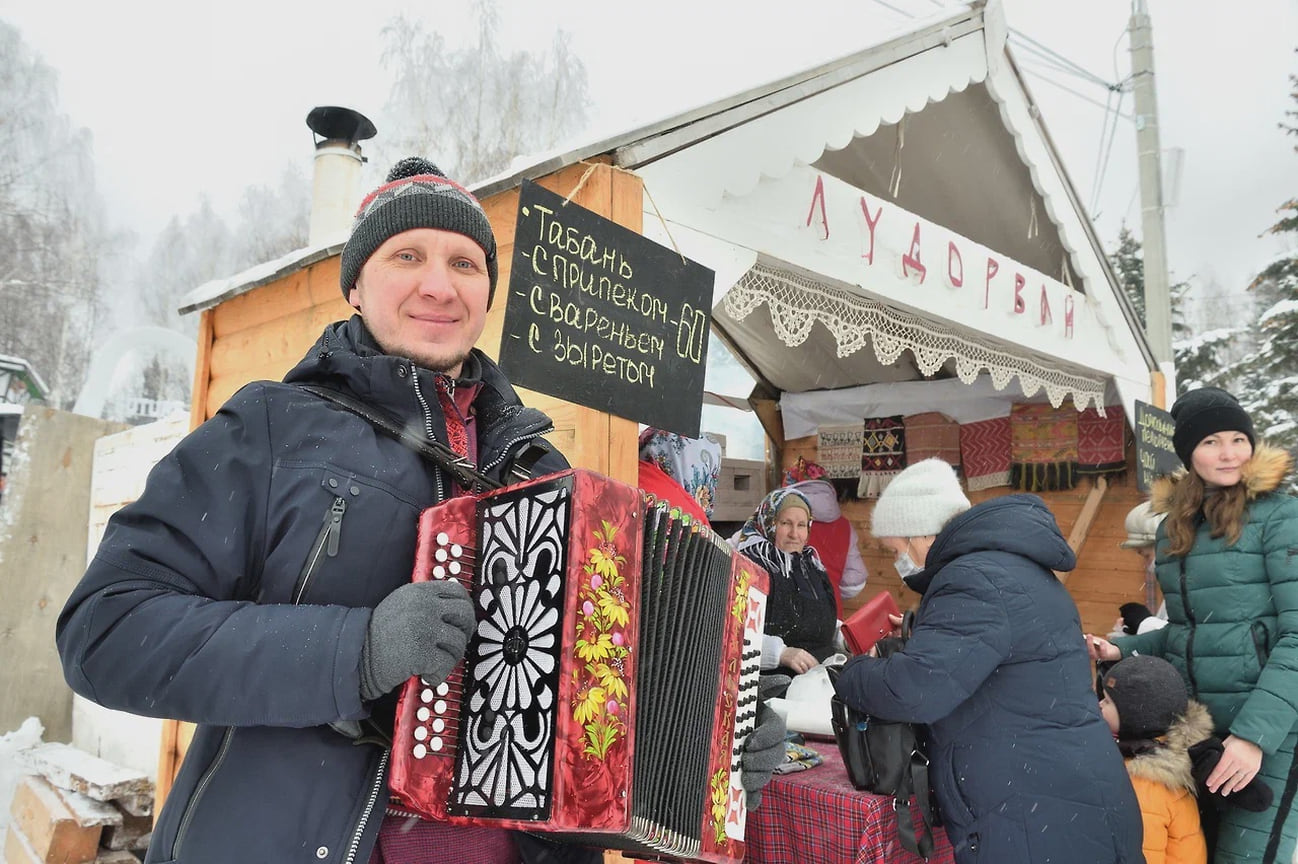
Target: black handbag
[{"x": 887, "y": 757}]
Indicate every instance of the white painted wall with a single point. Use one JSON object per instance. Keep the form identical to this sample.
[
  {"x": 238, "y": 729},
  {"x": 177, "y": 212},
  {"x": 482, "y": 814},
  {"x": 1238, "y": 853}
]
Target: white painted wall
[{"x": 122, "y": 463}]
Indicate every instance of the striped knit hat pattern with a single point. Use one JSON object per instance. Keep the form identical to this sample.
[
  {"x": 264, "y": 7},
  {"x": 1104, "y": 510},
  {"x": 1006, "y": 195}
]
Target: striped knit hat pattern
[{"x": 416, "y": 194}]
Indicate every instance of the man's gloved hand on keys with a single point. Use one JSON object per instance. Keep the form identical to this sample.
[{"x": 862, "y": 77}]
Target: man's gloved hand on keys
[{"x": 419, "y": 629}]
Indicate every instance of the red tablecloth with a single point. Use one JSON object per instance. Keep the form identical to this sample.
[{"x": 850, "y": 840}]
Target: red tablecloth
[{"x": 816, "y": 817}]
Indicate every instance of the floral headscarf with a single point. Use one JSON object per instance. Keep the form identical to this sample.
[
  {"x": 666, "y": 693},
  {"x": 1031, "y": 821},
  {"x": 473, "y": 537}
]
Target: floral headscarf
[
  {"x": 762, "y": 522},
  {"x": 695, "y": 463},
  {"x": 757, "y": 538}
]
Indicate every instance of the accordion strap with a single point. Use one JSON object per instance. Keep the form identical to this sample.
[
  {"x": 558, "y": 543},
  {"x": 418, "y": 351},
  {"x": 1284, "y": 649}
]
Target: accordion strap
[{"x": 464, "y": 471}]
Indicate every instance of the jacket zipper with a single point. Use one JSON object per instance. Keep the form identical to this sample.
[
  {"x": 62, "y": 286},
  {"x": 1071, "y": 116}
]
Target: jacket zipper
[
  {"x": 375, "y": 788},
  {"x": 509, "y": 446},
  {"x": 191, "y": 805},
  {"x": 326, "y": 541},
  {"x": 428, "y": 425},
  {"x": 1189, "y": 638}
]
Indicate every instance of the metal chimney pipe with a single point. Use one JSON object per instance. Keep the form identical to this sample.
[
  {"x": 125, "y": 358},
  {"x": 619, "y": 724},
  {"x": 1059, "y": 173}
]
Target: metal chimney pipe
[{"x": 335, "y": 187}]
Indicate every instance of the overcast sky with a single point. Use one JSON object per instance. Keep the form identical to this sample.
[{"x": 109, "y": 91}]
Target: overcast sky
[{"x": 187, "y": 100}]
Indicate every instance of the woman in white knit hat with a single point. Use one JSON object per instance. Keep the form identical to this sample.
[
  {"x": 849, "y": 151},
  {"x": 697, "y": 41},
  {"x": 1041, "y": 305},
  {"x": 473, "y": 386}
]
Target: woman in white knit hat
[{"x": 1022, "y": 763}]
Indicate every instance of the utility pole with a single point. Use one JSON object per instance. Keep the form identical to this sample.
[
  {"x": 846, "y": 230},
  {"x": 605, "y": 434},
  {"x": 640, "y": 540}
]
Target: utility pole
[{"x": 1158, "y": 302}]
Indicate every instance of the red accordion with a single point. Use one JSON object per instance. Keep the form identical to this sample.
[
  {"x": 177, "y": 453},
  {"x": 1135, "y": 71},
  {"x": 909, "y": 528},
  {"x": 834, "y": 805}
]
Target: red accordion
[{"x": 610, "y": 684}]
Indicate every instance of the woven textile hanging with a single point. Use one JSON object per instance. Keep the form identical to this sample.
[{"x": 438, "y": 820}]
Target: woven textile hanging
[
  {"x": 883, "y": 454},
  {"x": 1043, "y": 447}
]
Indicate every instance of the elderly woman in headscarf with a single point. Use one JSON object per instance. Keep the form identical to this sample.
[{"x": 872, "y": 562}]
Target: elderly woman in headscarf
[{"x": 801, "y": 613}]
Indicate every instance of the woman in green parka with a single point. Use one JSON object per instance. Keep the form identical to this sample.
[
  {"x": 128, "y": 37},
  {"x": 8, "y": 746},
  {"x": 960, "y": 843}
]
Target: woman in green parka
[{"x": 1227, "y": 563}]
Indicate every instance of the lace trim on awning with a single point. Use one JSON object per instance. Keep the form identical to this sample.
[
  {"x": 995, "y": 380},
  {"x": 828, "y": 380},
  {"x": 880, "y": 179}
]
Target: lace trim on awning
[{"x": 796, "y": 303}]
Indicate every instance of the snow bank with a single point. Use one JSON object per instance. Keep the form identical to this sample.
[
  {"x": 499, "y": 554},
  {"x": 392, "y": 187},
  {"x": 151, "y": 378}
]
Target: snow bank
[{"x": 26, "y": 735}]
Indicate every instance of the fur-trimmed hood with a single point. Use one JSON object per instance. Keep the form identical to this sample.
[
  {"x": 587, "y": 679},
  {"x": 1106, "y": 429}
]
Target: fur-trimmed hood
[
  {"x": 1170, "y": 765},
  {"x": 1264, "y": 472}
]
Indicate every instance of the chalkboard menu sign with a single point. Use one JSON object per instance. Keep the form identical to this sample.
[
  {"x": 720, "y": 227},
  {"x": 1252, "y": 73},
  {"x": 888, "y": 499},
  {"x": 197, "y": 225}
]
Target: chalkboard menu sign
[
  {"x": 600, "y": 316},
  {"x": 1154, "y": 453}
]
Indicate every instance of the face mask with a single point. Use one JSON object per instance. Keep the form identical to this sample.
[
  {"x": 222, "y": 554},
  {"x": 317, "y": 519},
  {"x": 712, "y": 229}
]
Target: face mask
[{"x": 906, "y": 568}]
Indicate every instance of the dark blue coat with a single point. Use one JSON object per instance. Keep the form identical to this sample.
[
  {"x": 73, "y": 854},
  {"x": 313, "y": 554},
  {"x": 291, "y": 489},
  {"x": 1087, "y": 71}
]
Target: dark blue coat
[
  {"x": 1023, "y": 766},
  {"x": 220, "y": 597}
]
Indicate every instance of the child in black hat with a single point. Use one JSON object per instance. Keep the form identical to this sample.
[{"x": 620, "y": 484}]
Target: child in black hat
[{"x": 1155, "y": 723}]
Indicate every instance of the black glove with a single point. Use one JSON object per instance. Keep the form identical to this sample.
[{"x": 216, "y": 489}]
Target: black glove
[
  {"x": 419, "y": 629},
  {"x": 1204, "y": 756},
  {"x": 763, "y": 750}
]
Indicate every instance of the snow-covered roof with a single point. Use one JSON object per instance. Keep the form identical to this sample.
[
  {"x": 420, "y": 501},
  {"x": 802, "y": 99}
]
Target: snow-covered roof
[{"x": 218, "y": 290}]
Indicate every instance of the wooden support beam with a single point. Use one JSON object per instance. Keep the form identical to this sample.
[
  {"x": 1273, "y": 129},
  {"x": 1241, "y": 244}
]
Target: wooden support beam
[
  {"x": 1082, "y": 526},
  {"x": 1158, "y": 386}
]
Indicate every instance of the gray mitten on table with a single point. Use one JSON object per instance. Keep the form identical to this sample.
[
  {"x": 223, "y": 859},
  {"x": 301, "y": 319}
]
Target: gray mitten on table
[
  {"x": 419, "y": 629},
  {"x": 763, "y": 750}
]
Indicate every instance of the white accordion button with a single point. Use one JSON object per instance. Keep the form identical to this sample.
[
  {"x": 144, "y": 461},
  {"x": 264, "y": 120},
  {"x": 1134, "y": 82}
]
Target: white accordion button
[
  {"x": 420, "y": 733},
  {"x": 443, "y": 538},
  {"x": 439, "y": 725},
  {"x": 440, "y": 706},
  {"x": 435, "y": 744},
  {"x": 420, "y": 751},
  {"x": 423, "y": 714},
  {"x": 456, "y": 550},
  {"x": 443, "y": 689},
  {"x": 439, "y": 572},
  {"x": 425, "y": 695},
  {"x": 453, "y": 568},
  {"x": 441, "y": 555}
]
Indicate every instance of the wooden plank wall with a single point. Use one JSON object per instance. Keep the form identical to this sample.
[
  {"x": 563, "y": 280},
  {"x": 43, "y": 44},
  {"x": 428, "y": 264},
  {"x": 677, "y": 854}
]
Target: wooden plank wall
[{"x": 1106, "y": 576}]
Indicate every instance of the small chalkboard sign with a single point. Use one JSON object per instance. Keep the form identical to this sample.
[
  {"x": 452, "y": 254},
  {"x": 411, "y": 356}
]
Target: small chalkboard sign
[
  {"x": 1155, "y": 455},
  {"x": 603, "y": 317}
]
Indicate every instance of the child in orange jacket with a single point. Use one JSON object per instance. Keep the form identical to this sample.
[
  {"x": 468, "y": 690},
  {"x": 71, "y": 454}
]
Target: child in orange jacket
[{"x": 1155, "y": 724}]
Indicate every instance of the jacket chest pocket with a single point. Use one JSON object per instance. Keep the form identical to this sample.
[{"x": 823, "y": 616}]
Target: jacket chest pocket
[{"x": 349, "y": 540}]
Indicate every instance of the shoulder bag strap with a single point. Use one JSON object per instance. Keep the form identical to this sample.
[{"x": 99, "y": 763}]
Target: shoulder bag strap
[{"x": 464, "y": 471}]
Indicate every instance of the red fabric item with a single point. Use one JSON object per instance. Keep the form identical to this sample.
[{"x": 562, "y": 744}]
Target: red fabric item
[
  {"x": 457, "y": 434},
  {"x": 985, "y": 452},
  {"x": 816, "y": 815},
  {"x": 831, "y": 541},
  {"x": 1100, "y": 441},
  {"x": 410, "y": 840},
  {"x": 660, "y": 484}
]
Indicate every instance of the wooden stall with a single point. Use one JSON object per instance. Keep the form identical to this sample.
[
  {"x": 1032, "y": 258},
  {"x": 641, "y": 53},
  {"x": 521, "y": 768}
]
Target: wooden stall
[{"x": 898, "y": 215}]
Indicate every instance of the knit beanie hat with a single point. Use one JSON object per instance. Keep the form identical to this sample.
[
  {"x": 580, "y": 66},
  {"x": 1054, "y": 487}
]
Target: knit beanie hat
[
  {"x": 1203, "y": 412},
  {"x": 1132, "y": 615},
  {"x": 1142, "y": 527},
  {"x": 415, "y": 195},
  {"x": 1149, "y": 694},
  {"x": 919, "y": 501}
]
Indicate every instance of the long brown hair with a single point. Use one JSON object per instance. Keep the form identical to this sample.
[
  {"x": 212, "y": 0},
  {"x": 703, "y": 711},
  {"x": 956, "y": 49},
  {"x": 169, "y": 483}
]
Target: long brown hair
[{"x": 1223, "y": 511}]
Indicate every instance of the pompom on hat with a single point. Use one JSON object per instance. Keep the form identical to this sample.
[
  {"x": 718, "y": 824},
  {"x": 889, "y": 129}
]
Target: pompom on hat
[
  {"x": 1205, "y": 412},
  {"x": 416, "y": 194},
  {"x": 919, "y": 501}
]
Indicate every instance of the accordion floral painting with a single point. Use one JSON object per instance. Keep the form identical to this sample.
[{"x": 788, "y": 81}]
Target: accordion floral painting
[{"x": 603, "y": 612}]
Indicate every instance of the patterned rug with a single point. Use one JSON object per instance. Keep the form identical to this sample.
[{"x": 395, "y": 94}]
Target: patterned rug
[
  {"x": 985, "y": 453},
  {"x": 1043, "y": 447},
  {"x": 883, "y": 454},
  {"x": 838, "y": 450},
  {"x": 932, "y": 435},
  {"x": 1100, "y": 441}
]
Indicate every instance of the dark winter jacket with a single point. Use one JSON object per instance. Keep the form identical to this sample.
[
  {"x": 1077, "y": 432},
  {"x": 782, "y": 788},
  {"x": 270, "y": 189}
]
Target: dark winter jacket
[
  {"x": 236, "y": 593},
  {"x": 802, "y": 609},
  {"x": 1023, "y": 765},
  {"x": 1232, "y": 631}
]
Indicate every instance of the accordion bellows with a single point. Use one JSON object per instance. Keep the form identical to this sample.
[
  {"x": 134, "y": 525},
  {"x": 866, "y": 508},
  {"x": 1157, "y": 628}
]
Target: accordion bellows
[{"x": 611, "y": 681}]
